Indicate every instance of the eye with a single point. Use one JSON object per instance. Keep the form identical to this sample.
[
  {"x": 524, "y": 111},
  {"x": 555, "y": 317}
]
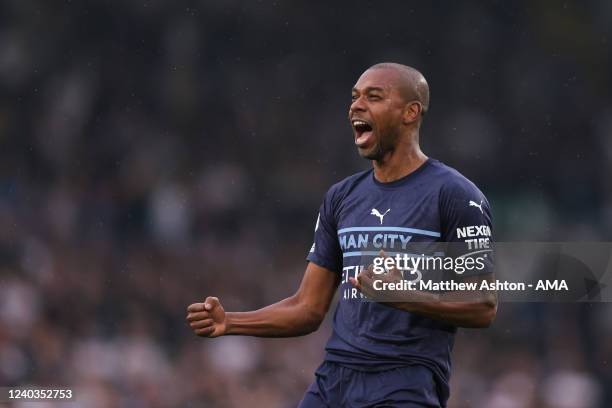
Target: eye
[
  {"x": 353, "y": 97},
  {"x": 374, "y": 97}
]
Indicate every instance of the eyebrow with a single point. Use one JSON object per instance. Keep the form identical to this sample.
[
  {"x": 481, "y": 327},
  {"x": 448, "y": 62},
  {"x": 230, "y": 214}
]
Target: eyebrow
[{"x": 370, "y": 89}]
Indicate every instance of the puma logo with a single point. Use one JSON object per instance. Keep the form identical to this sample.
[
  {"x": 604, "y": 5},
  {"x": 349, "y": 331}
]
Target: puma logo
[
  {"x": 379, "y": 215},
  {"x": 473, "y": 204}
]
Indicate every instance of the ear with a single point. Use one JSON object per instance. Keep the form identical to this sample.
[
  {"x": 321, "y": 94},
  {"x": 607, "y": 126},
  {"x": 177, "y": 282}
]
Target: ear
[{"x": 412, "y": 112}]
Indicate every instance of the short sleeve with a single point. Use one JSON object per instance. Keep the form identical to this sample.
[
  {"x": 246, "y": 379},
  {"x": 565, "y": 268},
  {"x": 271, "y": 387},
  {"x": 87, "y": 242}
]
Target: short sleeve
[
  {"x": 325, "y": 250},
  {"x": 466, "y": 223}
]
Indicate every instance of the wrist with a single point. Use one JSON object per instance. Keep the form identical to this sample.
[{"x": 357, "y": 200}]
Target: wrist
[{"x": 229, "y": 323}]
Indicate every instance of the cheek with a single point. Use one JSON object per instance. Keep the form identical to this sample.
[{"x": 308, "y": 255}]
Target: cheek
[{"x": 383, "y": 122}]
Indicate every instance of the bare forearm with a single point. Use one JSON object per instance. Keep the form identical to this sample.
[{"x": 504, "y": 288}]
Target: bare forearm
[
  {"x": 458, "y": 314},
  {"x": 464, "y": 308},
  {"x": 474, "y": 314},
  {"x": 297, "y": 315},
  {"x": 287, "y": 318}
]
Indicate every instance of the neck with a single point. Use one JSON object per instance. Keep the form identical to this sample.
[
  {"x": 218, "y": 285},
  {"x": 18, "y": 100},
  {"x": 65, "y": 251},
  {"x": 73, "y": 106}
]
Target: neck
[{"x": 403, "y": 160}]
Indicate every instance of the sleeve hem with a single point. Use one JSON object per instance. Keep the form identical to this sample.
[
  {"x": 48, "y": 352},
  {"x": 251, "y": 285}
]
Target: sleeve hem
[{"x": 322, "y": 263}]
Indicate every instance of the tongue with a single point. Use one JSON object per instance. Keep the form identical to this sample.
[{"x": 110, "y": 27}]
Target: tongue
[{"x": 364, "y": 138}]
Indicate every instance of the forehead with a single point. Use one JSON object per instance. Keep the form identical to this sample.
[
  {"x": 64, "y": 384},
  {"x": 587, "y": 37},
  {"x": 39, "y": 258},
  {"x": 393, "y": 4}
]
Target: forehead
[{"x": 383, "y": 78}]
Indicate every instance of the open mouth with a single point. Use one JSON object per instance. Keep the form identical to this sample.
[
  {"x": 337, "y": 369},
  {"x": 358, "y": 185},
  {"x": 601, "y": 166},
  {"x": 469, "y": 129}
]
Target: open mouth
[{"x": 363, "y": 132}]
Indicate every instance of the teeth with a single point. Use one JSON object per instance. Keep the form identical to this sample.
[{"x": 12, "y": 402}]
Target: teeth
[{"x": 359, "y": 123}]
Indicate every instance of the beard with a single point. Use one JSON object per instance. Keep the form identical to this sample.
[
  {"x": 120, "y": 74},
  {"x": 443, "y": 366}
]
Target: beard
[{"x": 384, "y": 145}]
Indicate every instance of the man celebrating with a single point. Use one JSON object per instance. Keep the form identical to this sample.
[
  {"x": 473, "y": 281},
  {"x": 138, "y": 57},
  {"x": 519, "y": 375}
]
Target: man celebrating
[{"x": 380, "y": 354}]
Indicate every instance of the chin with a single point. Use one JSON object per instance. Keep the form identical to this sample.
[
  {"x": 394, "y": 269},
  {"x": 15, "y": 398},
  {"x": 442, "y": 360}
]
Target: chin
[{"x": 370, "y": 154}]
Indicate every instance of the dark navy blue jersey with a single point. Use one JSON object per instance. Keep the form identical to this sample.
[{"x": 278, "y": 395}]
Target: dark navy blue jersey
[{"x": 435, "y": 203}]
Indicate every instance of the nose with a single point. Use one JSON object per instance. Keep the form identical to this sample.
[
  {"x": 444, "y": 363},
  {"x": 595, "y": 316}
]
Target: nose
[{"x": 357, "y": 105}]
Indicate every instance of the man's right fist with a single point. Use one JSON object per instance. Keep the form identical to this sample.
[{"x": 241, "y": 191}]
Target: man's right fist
[{"x": 207, "y": 319}]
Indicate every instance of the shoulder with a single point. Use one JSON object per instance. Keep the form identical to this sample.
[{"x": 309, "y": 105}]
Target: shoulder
[
  {"x": 332, "y": 202},
  {"x": 454, "y": 185},
  {"x": 341, "y": 189}
]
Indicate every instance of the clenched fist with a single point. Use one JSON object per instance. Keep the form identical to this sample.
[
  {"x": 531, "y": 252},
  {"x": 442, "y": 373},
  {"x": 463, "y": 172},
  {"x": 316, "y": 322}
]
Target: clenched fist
[{"x": 207, "y": 319}]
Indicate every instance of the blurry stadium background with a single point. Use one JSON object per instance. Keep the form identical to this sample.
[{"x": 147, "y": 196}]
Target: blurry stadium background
[{"x": 154, "y": 152}]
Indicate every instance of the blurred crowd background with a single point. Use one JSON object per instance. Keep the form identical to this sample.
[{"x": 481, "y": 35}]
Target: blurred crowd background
[{"x": 155, "y": 152}]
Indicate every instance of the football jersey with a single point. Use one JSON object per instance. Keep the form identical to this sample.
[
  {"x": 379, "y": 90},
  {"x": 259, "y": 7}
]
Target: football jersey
[{"x": 360, "y": 216}]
